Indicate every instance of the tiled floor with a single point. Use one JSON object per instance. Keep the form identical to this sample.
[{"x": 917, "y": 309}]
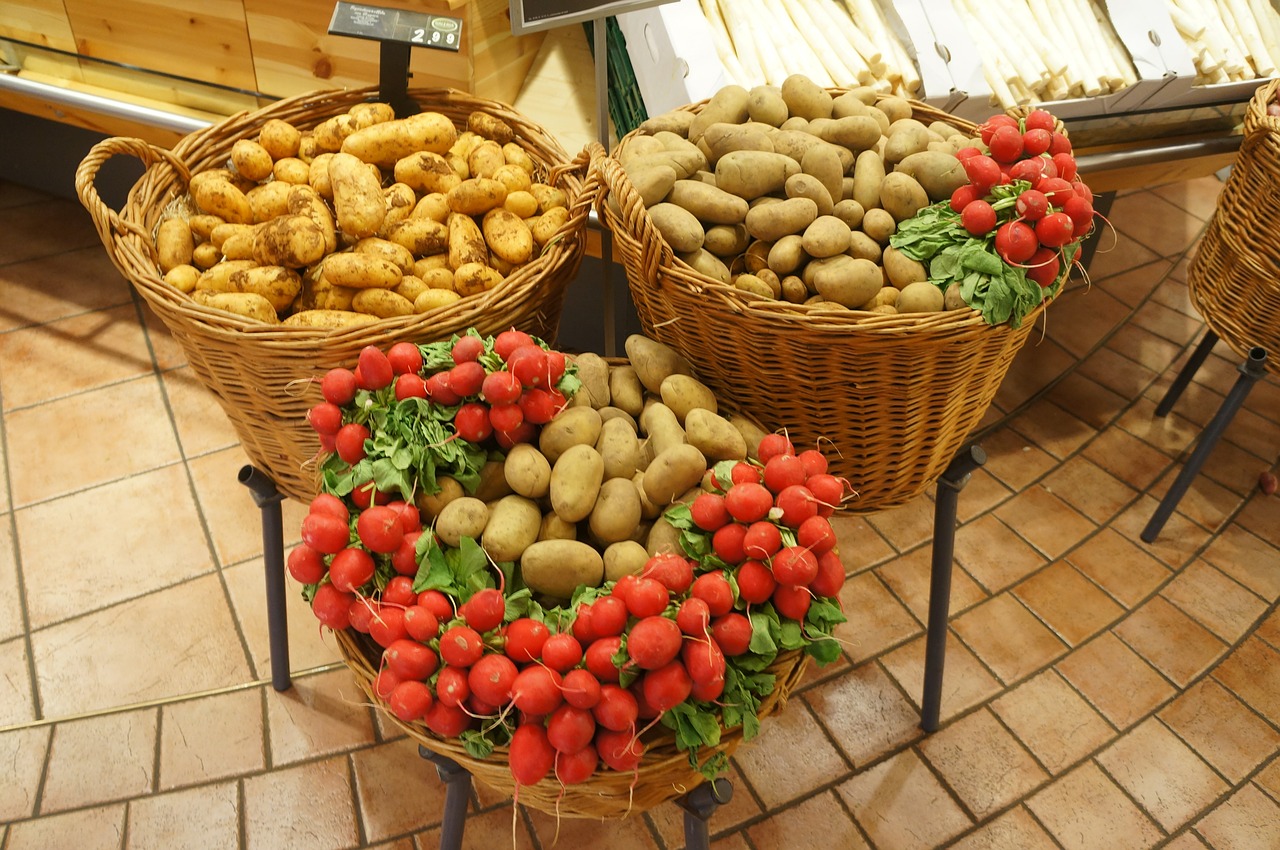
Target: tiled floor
[{"x": 1100, "y": 692}]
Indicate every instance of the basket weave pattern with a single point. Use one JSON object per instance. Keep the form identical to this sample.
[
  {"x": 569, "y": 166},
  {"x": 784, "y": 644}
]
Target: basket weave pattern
[
  {"x": 664, "y": 772},
  {"x": 894, "y": 397},
  {"x": 262, "y": 375},
  {"x": 1234, "y": 278}
]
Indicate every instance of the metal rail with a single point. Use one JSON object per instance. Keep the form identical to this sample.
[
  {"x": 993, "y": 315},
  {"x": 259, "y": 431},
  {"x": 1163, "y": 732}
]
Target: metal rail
[{"x": 79, "y": 100}]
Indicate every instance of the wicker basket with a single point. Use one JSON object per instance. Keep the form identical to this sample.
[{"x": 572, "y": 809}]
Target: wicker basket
[
  {"x": 664, "y": 773},
  {"x": 893, "y": 398},
  {"x": 262, "y": 374},
  {"x": 1234, "y": 277}
]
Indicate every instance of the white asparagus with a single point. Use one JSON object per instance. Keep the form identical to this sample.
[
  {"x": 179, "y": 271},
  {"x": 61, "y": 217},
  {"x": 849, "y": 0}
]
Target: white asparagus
[
  {"x": 1268, "y": 27},
  {"x": 827, "y": 52},
  {"x": 744, "y": 46},
  {"x": 1252, "y": 39},
  {"x": 723, "y": 44},
  {"x": 801, "y": 58},
  {"x": 858, "y": 33},
  {"x": 770, "y": 58},
  {"x": 835, "y": 22}
]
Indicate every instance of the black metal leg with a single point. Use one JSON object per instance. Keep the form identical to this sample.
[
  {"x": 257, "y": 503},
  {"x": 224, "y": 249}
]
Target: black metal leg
[
  {"x": 699, "y": 805},
  {"x": 944, "y": 538},
  {"x": 457, "y": 795},
  {"x": 268, "y": 499},
  {"x": 1253, "y": 368},
  {"x": 393, "y": 78},
  {"x": 1188, "y": 372}
]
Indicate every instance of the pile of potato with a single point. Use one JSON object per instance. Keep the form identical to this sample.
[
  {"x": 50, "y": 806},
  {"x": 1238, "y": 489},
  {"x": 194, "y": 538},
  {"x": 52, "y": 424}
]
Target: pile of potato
[
  {"x": 584, "y": 505},
  {"x": 366, "y": 216},
  {"x": 788, "y": 192}
]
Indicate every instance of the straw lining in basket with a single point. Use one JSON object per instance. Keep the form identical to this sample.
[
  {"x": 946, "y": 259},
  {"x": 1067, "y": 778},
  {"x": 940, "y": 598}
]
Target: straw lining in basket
[{"x": 263, "y": 375}]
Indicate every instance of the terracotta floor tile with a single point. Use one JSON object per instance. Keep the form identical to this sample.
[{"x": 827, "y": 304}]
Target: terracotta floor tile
[
  {"x": 100, "y": 760},
  {"x": 202, "y": 424},
  {"x": 235, "y": 522},
  {"x": 1186, "y": 841},
  {"x": 1205, "y": 502},
  {"x": 1261, "y": 516},
  {"x": 1085, "y": 810},
  {"x": 1014, "y": 830},
  {"x": 1115, "y": 680},
  {"x": 1198, "y": 197},
  {"x": 100, "y": 828},
  {"x": 625, "y": 834},
  {"x": 1171, "y": 641},
  {"x": 790, "y": 744},
  {"x": 877, "y": 621},
  {"x": 6, "y": 504},
  {"x": 983, "y": 492},
  {"x": 112, "y": 549},
  {"x": 319, "y": 715},
  {"x": 1045, "y": 521},
  {"x": 23, "y": 752},
  {"x": 1121, "y": 255},
  {"x": 817, "y": 822},
  {"x": 983, "y": 763},
  {"x": 1173, "y": 293},
  {"x": 1171, "y": 324},
  {"x": 865, "y": 713},
  {"x": 396, "y": 765},
  {"x": 11, "y": 607},
  {"x": 1083, "y": 317},
  {"x": 44, "y": 228},
  {"x": 1225, "y": 607},
  {"x": 211, "y": 738},
  {"x": 1269, "y": 629},
  {"x": 168, "y": 351},
  {"x": 1013, "y": 459},
  {"x": 1068, "y": 602},
  {"x": 1268, "y": 779},
  {"x": 131, "y": 432},
  {"x": 1233, "y": 468},
  {"x": 1246, "y": 821},
  {"x": 197, "y": 818},
  {"x": 1035, "y": 365},
  {"x": 1221, "y": 729},
  {"x": 1090, "y": 489},
  {"x": 1163, "y": 437},
  {"x": 667, "y": 819},
  {"x": 1178, "y": 541},
  {"x": 965, "y": 682},
  {"x": 309, "y": 645},
  {"x": 1053, "y": 429},
  {"x": 310, "y": 805},
  {"x": 1119, "y": 567},
  {"x": 490, "y": 829},
  {"x": 1053, "y": 721},
  {"x": 78, "y": 669},
  {"x": 908, "y": 526},
  {"x": 1252, "y": 672},
  {"x": 1263, "y": 398},
  {"x": 908, "y": 577},
  {"x": 887, "y": 801},
  {"x": 994, "y": 554},
  {"x": 1166, "y": 777},
  {"x": 1199, "y": 401},
  {"x": 1087, "y": 400},
  {"x": 1144, "y": 348},
  {"x": 1008, "y": 638},
  {"x": 735, "y": 841},
  {"x": 860, "y": 546},
  {"x": 1253, "y": 433},
  {"x": 52, "y": 288},
  {"x": 1118, "y": 373},
  {"x": 17, "y": 703}
]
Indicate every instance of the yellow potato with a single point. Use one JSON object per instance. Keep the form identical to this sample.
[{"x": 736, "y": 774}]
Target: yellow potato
[
  {"x": 466, "y": 242},
  {"x": 360, "y": 271},
  {"x": 174, "y": 243},
  {"x": 305, "y": 200},
  {"x": 616, "y": 512},
  {"x": 474, "y": 278},
  {"x": 477, "y": 195},
  {"x": 528, "y": 471},
  {"x": 357, "y": 196},
  {"x": 672, "y": 473},
  {"x": 465, "y": 516},
  {"x": 220, "y": 197},
  {"x": 557, "y": 568},
  {"x": 182, "y": 278},
  {"x": 426, "y": 172},
  {"x": 507, "y": 236},
  {"x": 513, "y": 526},
  {"x": 251, "y": 160},
  {"x": 576, "y": 476},
  {"x": 433, "y": 299},
  {"x": 382, "y": 303},
  {"x": 295, "y": 241},
  {"x": 490, "y": 127},
  {"x": 250, "y": 305},
  {"x": 421, "y": 236},
  {"x": 277, "y": 284},
  {"x": 279, "y": 138}
]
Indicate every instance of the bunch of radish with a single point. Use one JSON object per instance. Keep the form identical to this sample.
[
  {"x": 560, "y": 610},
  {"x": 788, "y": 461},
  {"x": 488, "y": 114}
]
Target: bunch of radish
[{"x": 1050, "y": 211}]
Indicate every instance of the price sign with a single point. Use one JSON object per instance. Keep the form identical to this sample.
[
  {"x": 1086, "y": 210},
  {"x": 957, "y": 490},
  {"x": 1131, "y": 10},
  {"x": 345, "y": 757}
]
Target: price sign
[
  {"x": 377, "y": 23},
  {"x": 534, "y": 15}
]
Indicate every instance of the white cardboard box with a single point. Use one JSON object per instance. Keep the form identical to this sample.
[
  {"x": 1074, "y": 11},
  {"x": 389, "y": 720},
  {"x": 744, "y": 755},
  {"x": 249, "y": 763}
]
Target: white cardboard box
[{"x": 672, "y": 55}]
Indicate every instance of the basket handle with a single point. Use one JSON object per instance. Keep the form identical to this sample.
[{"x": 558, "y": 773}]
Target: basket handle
[
  {"x": 617, "y": 187},
  {"x": 107, "y": 221}
]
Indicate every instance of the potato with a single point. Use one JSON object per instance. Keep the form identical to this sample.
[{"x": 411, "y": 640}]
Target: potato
[
  {"x": 291, "y": 170},
  {"x": 905, "y": 137},
  {"x": 805, "y": 98},
  {"x": 654, "y": 361},
  {"x": 434, "y": 205},
  {"x": 421, "y": 236},
  {"x": 386, "y": 249},
  {"x": 277, "y": 284},
  {"x": 410, "y": 287},
  {"x": 576, "y": 476},
  {"x": 807, "y": 186},
  {"x": 369, "y": 113},
  {"x": 218, "y": 277},
  {"x": 849, "y": 211},
  {"x": 676, "y": 121},
  {"x": 854, "y": 132},
  {"x": 750, "y": 174},
  {"x": 708, "y": 203},
  {"x": 382, "y": 303},
  {"x": 769, "y": 222},
  {"x": 940, "y": 174},
  {"x": 513, "y": 526},
  {"x": 825, "y": 237},
  {"x": 515, "y": 178},
  {"x": 879, "y": 224},
  {"x": 386, "y": 142},
  {"x": 557, "y": 568},
  {"x": 886, "y": 297},
  {"x": 714, "y": 436},
  {"x": 725, "y": 240},
  {"x": 617, "y": 511},
  {"x": 202, "y": 226},
  {"x": 295, "y": 241},
  {"x": 718, "y": 139},
  {"x": 901, "y": 196},
  {"x": 493, "y": 482},
  {"x": 672, "y": 473},
  {"x": 868, "y": 174},
  {"x": 328, "y": 319},
  {"x": 357, "y": 196},
  {"x": 679, "y": 227},
  {"x": 920, "y": 297},
  {"x": 662, "y": 429},
  {"x": 620, "y": 448},
  {"x": 174, "y": 243},
  {"x": 220, "y": 197},
  {"x": 490, "y": 127},
  {"x": 571, "y": 427},
  {"x": 549, "y": 197},
  {"x": 507, "y": 236},
  {"x": 625, "y": 390},
  {"x": 663, "y": 537},
  {"x": 269, "y": 200},
  {"x": 477, "y": 195},
  {"x": 707, "y": 264},
  {"x": 432, "y": 503},
  {"x": 523, "y": 204},
  {"x": 624, "y": 558},
  {"x": 463, "y": 516},
  {"x": 683, "y": 393},
  {"x": 901, "y": 269},
  {"x": 360, "y": 271},
  {"x": 426, "y": 172},
  {"x": 251, "y": 160},
  {"x": 485, "y": 159},
  {"x": 766, "y": 105},
  {"x": 794, "y": 290},
  {"x": 305, "y": 200},
  {"x": 474, "y": 278},
  {"x": 250, "y": 305},
  {"x": 554, "y": 528},
  {"x": 862, "y": 246},
  {"x": 182, "y": 278},
  {"x": 728, "y": 104},
  {"x": 751, "y": 433},
  {"x": 851, "y": 284},
  {"x": 952, "y": 299},
  {"x": 434, "y": 299},
  {"x": 545, "y": 227},
  {"x": 593, "y": 371},
  {"x": 753, "y": 284},
  {"x": 896, "y": 108}
]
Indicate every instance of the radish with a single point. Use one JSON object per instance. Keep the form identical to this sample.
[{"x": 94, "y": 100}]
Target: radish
[
  {"x": 573, "y": 768},
  {"x": 405, "y": 559},
  {"x": 729, "y": 543},
  {"x": 492, "y": 677},
  {"x": 1056, "y": 190},
  {"x": 1059, "y": 143},
  {"x": 746, "y": 473},
  {"x": 332, "y": 607},
  {"x": 363, "y": 610},
  {"x": 505, "y": 343},
  {"x": 325, "y": 418},
  {"x": 472, "y": 422},
  {"x": 792, "y": 601},
  {"x": 762, "y": 539},
  {"x": 694, "y": 617},
  {"x": 755, "y": 582},
  {"x": 409, "y": 659},
  {"x": 732, "y": 633},
  {"x": 399, "y": 592},
  {"x": 816, "y": 535},
  {"x": 1067, "y": 168},
  {"x": 1036, "y": 141},
  {"x": 704, "y": 660},
  {"x": 814, "y": 462},
  {"x": 653, "y": 642},
  {"x": 306, "y": 565},
  {"x": 1030, "y": 170},
  {"x": 325, "y": 533},
  {"x": 772, "y": 445},
  {"x": 447, "y": 721},
  {"x": 1040, "y": 119},
  {"x": 988, "y": 128},
  {"x": 667, "y": 686},
  {"x": 420, "y": 623},
  {"x": 561, "y": 652},
  {"x": 783, "y": 471},
  {"x": 570, "y": 729},
  {"x": 964, "y": 195},
  {"x": 379, "y": 529},
  {"x": 540, "y": 406},
  {"x": 795, "y": 566},
  {"x": 365, "y": 494},
  {"x": 531, "y": 754},
  {"x": 599, "y": 658},
  {"x": 581, "y": 627},
  {"x": 535, "y": 691},
  {"x": 979, "y": 218},
  {"x": 1015, "y": 242},
  {"x": 1006, "y": 144},
  {"x": 531, "y": 366},
  {"x": 714, "y": 589},
  {"x": 410, "y": 386},
  {"x": 387, "y": 625},
  {"x": 708, "y": 511},
  {"x": 672, "y": 571},
  {"x": 828, "y": 490},
  {"x": 351, "y": 569},
  {"x": 525, "y": 639},
  {"x": 830, "y": 577},
  {"x": 438, "y": 390},
  {"x": 619, "y": 750},
  {"x": 374, "y": 367},
  {"x": 338, "y": 386},
  {"x": 645, "y": 710},
  {"x": 466, "y": 378},
  {"x": 484, "y": 609},
  {"x": 1055, "y": 230},
  {"x": 609, "y": 615},
  {"x": 525, "y": 432},
  {"x": 405, "y": 358},
  {"x": 647, "y": 597},
  {"x": 385, "y": 682},
  {"x": 1032, "y": 205},
  {"x": 506, "y": 419},
  {"x": 1044, "y": 267},
  {"x": 452, "y": 687},
  {"x": 966, "y": 152},
  {"x": 581, "y": 689},
  {"x": 349, "y": 441},
  {"x": 501, "y": 387},
  {"x": 461, "y": 646},
  {"x": 409, "y": 700},
  {"x": 617, "y": 709},
  {"x": 983, "y": 172},
  {"x": 437, "y": 603},
  {"x": 747, "y": 502},
  {"x": 797, "y": 504},
  {"x": 466, "y": 348},
  {"x": 327, "y": 503}
]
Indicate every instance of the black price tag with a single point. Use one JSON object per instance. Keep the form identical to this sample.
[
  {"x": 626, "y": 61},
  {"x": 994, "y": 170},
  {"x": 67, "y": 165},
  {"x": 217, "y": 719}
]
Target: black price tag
[
  {"x": 533, "y": 15},
  {"x": 381, "y": 24}
]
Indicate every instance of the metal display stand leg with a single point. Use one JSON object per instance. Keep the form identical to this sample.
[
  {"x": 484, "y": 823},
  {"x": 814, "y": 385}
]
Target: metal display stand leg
[
  {"x": 1253, "y": 368},
  {"x": 699, "y": 805},
  {"x": 457, "y": 795},
  {"x": 944, "y": 537},
  {"x": 1188, "y": 372},
  {"x": 268, "y": 499}
]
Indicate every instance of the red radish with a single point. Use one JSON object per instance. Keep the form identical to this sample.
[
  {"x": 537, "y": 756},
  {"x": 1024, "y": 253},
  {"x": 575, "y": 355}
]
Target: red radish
[
  {"x": 783, "y": 471},
  {"x": 828, "y": 490},
  {"x": 963, "y": 196},
  {"x": 349, "y": 441},
  {"x": 1044, "y": 267},
  {"x": 327, "y": 503},
  {"x": 746, "y": 473},
  {"x": 447, "y": 721},
  {"x": 374, "y": 366},
  {"x": 484, "y": 609},
  {"x": 385, "y": 682},
  {"x": 501, "y": 387},
  {"x": 1048, "y": 168},
  {"x": 983, "y": 172},
  {"x": 694, "y": 617},
  {"x": 1067, "y": 167},
  {"x": 409, "y": 659},
  {"x": 772, "y": 445},
  {"x": 653, "y": 642},
  {"x": 729, "y": 543},
  {"x": 306, "y": 565},
  {"x": 816, "y": 535},
  {"x": 714, "y": 589},
  {"x": 830, "y": 577},
  {"x": 575, "y": 768},
  {"x": 505, "y": 343},
  {"x": 1039, "y": 119},
  {"x": 599, "y": 658},
  {"x": 410, "y": 700},
  {"x": 1032, "y": 205},
  {"x": 420, "y": 623},
  {"x": 530, "y": 365},
  {"x": 1006, "y": 144},
  {"x": 506, "y": 418},
  {"x": 405, "y": 559},
  {"x": 525, "y": 432},
  {"x": 399, "y": 592},
  {"x": 647, "y": 597},
  {"x": 472, "y": 422},
  {"x": 379, "y": 529},
  {"x": 1083, "y": 191},
  {"x": 707, "y": 691},
  {"x": 363, "y": 610},
  {"x": 1036, "y": 141},
  {"x": 617, "y": 709},
  {"x": 748, "y": 502},
  {"x": 338, "y": 386},
  {"x": 366, "y": 494},
  {"x": 461, "y": 646},
  {"x": 580, "y": 688},
  {"x": 492, "y": 677},
  {"x": 570, "y": 729},
  {"x": 410, "y": 386},
  {"x": 795, "y": 566},
  {"x": 351, "y": 569},
  {"x": 555, "y": 367},
  {"x": 1059, "y": 143},
  {"x": 966, "y": 152},
  {"x": 1015, "y": 242},
  {"x": 332, "y": 607},
  {"x": 667, "y": 686},
  {"x": 531, "y": 754},
  {"x": 525, "y": 639},
  {"x": 561, "y": 652},
  {"x": 480, "y": 708},
  {"x": 609, "y": 616},
  {"x": 814, "y": 462},
  {"x": 467, "y": 378},
  {"x": 762, "y": 540},
  {"x": 979, "y": 218},
  {"x": 673, "y": 571},
  {"x": 409, "y": 515},
  {"x": 1030, "y": 170},
  {"x": 438, "y": 390},
  {"x": 1056, "y": 190},
  {"x": 732, "y": 633},
  {"x": 792, "y": 601},
  {"x": 451, "y": 686},
  {"x": 325, "y": 418},
  {"x": 755, "y": 582},
  {"x": 328, "y": 445},
  {"x": 467, "y": 348},
  {"x": 387, "y": 625},
  {"x": 1078, "y": 210},
  {"x": 1055, "y": 230},
  {"x": 995, "y": 122},
  {"x": 797, "y": 504},
  {"x": 704, "y": 660},
  {"x": 405, "y": 358},
  {"x": 437, "y": 603},
  {"x": 540, "y": 406},
  {"x": 536, "y": 690},
  {"x": 621, "y": 751},
  {"x": 708, "y": 511}
]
